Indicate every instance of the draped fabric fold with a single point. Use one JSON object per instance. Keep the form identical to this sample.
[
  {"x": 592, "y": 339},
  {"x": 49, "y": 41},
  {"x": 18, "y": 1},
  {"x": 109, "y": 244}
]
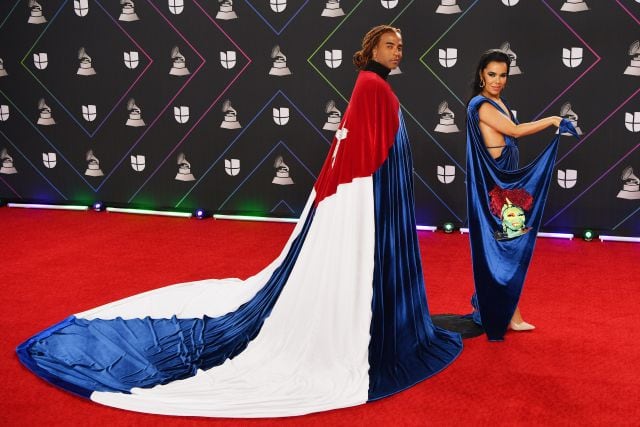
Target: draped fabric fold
[
  {"x": 338, "y": 319},
  {"x": 505, "y": 206}
]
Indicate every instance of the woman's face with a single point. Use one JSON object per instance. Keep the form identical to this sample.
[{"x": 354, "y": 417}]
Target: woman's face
[
  {"x": 388, "y": 51},
  {"x": 494, "y": 76}
]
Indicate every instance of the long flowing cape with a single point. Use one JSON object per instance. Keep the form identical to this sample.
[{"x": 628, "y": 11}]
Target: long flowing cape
[
  {"x": 500, "y": 263},
  {"x": 338, "y": 319}
]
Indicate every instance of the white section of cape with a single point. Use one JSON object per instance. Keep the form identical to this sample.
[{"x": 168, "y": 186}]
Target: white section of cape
[{"x": 312, "y": 352}]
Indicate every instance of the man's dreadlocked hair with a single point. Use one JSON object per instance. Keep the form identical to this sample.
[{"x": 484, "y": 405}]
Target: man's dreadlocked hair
[{"x": 370, "y": 40}]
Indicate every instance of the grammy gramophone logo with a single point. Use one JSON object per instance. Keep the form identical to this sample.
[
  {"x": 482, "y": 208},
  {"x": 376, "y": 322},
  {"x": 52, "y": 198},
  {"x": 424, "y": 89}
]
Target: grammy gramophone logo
[
  {"x": 634, "y": 67},
  {"x": 282, "y": 172},
  {"x": 45, "y": 118},
  {"x": 230, "y": 120},
  {"x": 448, "y": 7},
  {"x": 85, "y": 68},
  {"x": 333, "y": 116},
  {"x": 3, "y": 72},
  {"x": 446, "y": 122},
  {"x": 6, "y": 160},
  {"x": 510, "y": 3},
  {"x": 566, "y": 112},
  {"x": 332, "y": 9},
  {"x": 179, "y": 66},
  {"x": 36, "y": 15},
  {"x": 225, "y": 10},
  {"x": 135, "y": 114},
  {"x": 184, "y": 169},
  {"x": 574, "y": 6},
  {"x": 128, "y": 13},
  {"x": 93, "y": 165},
  {"x": 631, "y": 185},
  {"x": 514, "y": 69},
  {"x": 279, "y": 67}
]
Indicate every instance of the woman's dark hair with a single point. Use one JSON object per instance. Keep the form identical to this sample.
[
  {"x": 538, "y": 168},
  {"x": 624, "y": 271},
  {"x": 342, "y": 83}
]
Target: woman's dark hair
[
  {"x": 370, "y": 40},
  {"x": 492, "y": 55}
]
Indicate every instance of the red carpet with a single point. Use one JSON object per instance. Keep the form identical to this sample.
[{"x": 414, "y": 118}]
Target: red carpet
[{"x": 581, "y": 366}]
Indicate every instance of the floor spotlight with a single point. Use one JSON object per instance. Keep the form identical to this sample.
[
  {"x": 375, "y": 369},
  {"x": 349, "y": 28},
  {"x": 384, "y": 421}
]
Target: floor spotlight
[
  {"x": 448, "y": 227},
  {"x": 98, "y": 206},
  {"x": 199, "y": 213},
  {"x": 588, "y": 235}
]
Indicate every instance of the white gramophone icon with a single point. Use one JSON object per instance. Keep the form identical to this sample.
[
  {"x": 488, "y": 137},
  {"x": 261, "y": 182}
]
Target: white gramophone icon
[
  {"x": 446, "y": 123},
  {"x": 282, "y": 172},
  {"x": 332, "y": 9},
  {"x": 333, "y": 118},
  {"x": 7, "y": 163},
  {"x": 184, "y": 169},
  {"x": 634, "y": 67},
  {"x": 230, "y": 116},
  {"x": 631, "y": 188},
  {"x": 225, "y": 11},
  {"x": 567, "y": 113},
  {"x": 45, "y": 119},
  {"x": 128, "y": 13},
  {"x": 513, "y": 66},
  {"x": 93, "y": 165},
  {"x": 179, "y": 67},
  {"x": 85, "y": 68},
  {"x": 279, "y": 67},
  {"x": 35, "y": 13},
  {"x": 135, "y": 114}
]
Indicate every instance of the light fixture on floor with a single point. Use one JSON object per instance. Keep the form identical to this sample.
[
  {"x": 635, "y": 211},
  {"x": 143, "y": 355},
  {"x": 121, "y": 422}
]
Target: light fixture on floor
[
  {"x": 588, "y": 235},
  {"x": 199, "y": 213},
  {"x": 448, "y": 227},
  {"x": 98, "y": 206}
]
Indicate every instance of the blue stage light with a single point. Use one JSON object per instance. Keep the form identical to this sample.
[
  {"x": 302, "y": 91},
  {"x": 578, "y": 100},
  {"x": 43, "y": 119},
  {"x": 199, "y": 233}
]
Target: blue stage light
[
  {"x": 98, "y": 206},
  {"x": 199, "y": 213}
]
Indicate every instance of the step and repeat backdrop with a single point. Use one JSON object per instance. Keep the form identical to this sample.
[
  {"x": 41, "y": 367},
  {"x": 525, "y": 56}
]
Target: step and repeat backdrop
[{"x": 231, "y": 105}]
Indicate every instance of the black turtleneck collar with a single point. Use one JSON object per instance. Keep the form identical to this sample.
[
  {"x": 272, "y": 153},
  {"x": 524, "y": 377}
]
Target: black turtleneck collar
[{"x": 377, "y": 68}]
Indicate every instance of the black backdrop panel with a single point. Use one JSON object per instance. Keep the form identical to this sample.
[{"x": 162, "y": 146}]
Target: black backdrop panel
[{"x": 232, "y": 105}]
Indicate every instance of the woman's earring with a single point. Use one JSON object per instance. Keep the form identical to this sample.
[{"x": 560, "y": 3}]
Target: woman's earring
[{"x": 481, "y": 83}]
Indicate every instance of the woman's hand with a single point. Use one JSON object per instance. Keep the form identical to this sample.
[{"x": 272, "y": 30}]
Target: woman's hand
[{"x": 556, "y": 120}]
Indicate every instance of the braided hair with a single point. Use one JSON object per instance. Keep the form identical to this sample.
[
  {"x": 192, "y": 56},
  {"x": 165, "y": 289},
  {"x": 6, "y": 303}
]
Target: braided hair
[{"x": 369, "y": 42}]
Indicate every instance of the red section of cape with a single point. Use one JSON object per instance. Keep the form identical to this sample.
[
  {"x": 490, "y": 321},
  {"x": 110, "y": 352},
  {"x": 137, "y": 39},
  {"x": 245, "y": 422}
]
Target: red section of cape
[{"x": 371, "y": 121}]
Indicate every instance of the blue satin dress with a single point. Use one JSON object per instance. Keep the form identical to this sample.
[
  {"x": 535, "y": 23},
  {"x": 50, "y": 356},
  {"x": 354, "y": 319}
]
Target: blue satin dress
[{"x": 500, "y": 265}]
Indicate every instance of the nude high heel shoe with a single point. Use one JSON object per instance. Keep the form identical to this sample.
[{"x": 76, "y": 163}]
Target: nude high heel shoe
[{"x": 522, "y": 326}]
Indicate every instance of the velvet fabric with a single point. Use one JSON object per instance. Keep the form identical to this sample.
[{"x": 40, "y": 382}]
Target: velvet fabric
[
  {"x": 405, "y": 346},
  {"x": 500, "y": 264}
]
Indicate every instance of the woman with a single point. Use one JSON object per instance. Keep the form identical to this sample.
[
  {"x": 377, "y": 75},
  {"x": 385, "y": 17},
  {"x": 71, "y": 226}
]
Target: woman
[
  {"x": 338, "y": 319},
  {"x": 504, "y": 203}
]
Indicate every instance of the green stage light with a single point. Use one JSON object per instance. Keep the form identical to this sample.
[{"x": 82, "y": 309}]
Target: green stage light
[
  {"x": 448, "y": 227},
  {"x": 588, "y": 235}
]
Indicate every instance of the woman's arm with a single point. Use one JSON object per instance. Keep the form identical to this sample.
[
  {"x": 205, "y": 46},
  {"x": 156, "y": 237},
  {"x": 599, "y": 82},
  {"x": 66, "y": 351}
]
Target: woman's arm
[{"x": 493, "y": 118}]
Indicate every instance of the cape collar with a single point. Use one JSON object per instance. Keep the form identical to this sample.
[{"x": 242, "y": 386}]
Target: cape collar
[{"x": 377, "y": 68}]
